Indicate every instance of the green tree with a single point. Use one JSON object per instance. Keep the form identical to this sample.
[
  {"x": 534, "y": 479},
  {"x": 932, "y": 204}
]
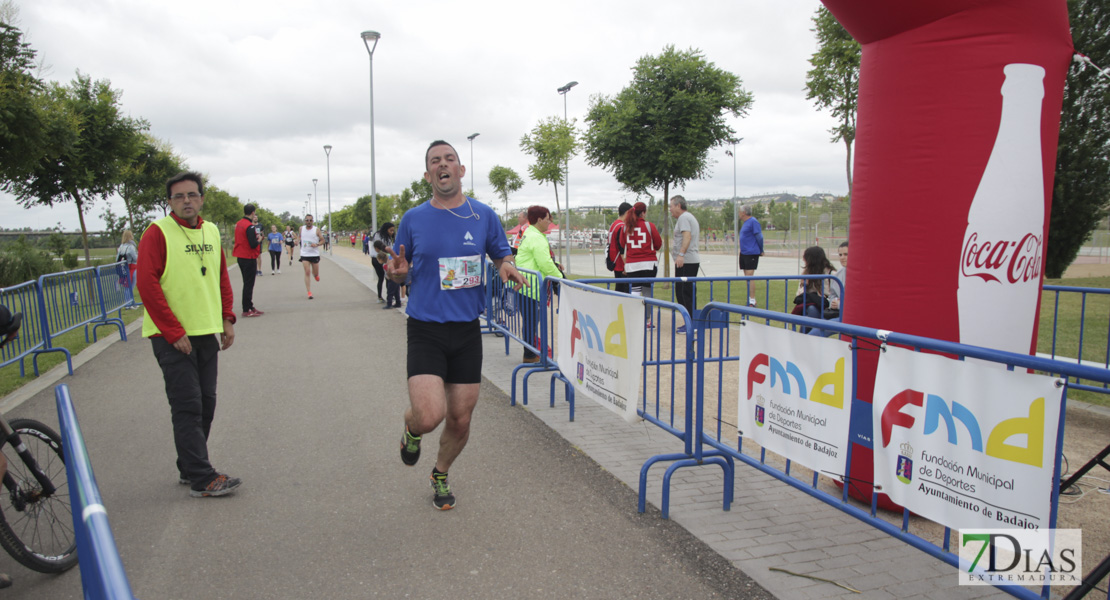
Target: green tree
[
  {"x": 94, "y": 143},
  {"x": 505, "y": 181},
  {"x": 57, "y": 244},
  {"x": 657, "y": 132},
  {"x": 759, "y": 211},
  {"x": 221, "y": 207},
  {"x": 780, "y": 215},
  {"x": 1081, "y": 190},
  {"x": 113, "y": 225},
  {"x": 552, "y": 142},
  {"x": 143, "y": 187},
  {"x": 23, "y": 139},
  {"x": 834, "y": 79}
]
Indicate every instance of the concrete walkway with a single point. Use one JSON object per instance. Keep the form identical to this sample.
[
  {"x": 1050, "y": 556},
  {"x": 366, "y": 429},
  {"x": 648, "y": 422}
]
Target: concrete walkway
[
  {"x": 770, "y": 525},
  {"x": 309, "y": 415}
]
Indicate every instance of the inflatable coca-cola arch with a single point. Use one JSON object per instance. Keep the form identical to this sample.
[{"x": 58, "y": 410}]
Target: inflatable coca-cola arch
[{"x": 957, "y": 126}]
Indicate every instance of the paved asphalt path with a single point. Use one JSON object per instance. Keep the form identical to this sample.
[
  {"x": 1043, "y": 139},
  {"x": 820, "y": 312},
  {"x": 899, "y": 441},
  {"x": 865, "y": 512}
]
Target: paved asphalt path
[{"x": 309, "y": 415}]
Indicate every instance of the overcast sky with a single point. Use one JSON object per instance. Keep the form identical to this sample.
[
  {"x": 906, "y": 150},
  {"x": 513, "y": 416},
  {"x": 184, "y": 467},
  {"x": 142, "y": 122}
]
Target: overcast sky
[{"x": 249, "y": 92}]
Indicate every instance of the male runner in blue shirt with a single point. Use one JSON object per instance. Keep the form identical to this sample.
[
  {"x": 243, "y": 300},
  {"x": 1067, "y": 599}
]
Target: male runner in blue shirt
[{"x": 441, "y": 247}]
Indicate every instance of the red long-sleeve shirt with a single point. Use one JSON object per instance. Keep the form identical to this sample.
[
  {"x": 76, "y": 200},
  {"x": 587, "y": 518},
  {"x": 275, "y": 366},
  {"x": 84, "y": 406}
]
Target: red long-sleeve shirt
[
  {"x": 152, "y": 264},
  {"x": 641, "y": 243}
]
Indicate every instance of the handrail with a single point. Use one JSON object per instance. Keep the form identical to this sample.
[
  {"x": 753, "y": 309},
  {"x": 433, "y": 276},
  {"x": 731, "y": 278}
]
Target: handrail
[{"x": 102, "y": 574}]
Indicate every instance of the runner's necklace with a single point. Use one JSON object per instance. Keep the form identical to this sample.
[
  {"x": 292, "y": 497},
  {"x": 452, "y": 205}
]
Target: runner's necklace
[
  {"x": 476, "y": 216},
  {"x": 200, "y": 255}
]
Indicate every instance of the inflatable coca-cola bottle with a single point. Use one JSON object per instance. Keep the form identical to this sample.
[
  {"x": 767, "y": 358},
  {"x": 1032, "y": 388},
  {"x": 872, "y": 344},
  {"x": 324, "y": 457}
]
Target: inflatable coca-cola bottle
[
  {"x": 1000, "y": 264},
  {"x": 922, "y": 195}
]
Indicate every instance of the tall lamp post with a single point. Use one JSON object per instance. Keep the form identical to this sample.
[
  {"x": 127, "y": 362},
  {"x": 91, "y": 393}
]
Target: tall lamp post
[
  {"x": 471, "y": 138},
  {"x": 315, "y": 202},
  {"x": 309, "y": 203},
  {"x": 327, "y": 154},
  {"x": 367, "y": 37},
  {"x": 566, "y": 181},
  {"x": 735, "y": 206}
]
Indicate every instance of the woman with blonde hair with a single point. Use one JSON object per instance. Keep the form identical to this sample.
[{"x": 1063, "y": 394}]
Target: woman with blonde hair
[{"x": 128, "y": 253}]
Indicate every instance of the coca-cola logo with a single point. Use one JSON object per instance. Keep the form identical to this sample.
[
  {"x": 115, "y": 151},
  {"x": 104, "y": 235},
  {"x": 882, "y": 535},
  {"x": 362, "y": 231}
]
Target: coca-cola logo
[{"x": 993, "y": 259}]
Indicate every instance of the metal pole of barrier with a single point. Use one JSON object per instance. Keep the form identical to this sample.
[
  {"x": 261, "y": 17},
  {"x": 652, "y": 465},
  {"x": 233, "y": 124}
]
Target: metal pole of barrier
[{"x": 102, "y": 574}]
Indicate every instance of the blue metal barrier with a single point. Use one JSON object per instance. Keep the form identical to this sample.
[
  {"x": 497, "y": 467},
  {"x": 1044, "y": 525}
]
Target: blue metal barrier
[
  {"x": 1094, "y": 328},
  {"x": 711, "y": 346},
  {"x": 859, "y": 337},
  {"x": 117, "y": 288},
  {"x": 69, "y": 300},
  {"x": 524, "y": 316},
  {"x": 23, "y": 298},
  {"x": 102, "y": 574}
]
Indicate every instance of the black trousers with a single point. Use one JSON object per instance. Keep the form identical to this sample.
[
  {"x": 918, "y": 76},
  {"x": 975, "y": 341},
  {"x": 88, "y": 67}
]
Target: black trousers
[
  {"x": 684, "y": 292},
  {"x": 620, "y": 287},
  {"x": 248, "y": 268},
  {"x": 191, "y": 391},
  {"x": 531, "y": 311},
  {"x": 275, "y": 260},
  {"x": 380, "y": 270}
]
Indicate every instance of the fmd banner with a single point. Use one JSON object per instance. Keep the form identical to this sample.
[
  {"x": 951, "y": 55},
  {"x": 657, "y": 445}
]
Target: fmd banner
[
  {"x": 795, "y": 395},
  {"x": 601, "y": 347},
  {"x": 967, "y": 445}
]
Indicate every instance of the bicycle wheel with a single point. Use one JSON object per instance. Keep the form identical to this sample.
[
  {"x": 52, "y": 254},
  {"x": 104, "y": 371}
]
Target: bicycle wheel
[{"x": 37, "y": 530}]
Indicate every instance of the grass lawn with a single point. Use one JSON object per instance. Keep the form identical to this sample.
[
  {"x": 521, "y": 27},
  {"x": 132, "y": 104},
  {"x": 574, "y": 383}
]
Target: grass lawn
[
  {"x": 74, "y": 341},
  {"x": 1066, "y": 310}
]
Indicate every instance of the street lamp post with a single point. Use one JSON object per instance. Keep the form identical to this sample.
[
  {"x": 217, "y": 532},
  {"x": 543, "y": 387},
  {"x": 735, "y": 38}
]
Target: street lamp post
[
  {"x": 367, "y": 37},
  {"x": 566, "y": 181},
  {"x": 471, "y": 138},
  {"x": 315, "y": 203},
  {"x": 327, "y": 154},
  {"x": 309, "y": 203},
  {"x": 735, "y": 205}
]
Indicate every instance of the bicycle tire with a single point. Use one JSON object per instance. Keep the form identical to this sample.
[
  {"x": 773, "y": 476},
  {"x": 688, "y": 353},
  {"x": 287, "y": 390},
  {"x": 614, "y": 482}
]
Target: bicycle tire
[{"x": 41, "y": 536}]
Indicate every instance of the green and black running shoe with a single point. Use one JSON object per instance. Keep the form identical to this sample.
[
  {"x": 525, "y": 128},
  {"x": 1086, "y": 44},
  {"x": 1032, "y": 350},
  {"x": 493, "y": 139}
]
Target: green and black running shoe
[
  {"x": 410, "y": 448},
  {"x": 443, "y": 498}
]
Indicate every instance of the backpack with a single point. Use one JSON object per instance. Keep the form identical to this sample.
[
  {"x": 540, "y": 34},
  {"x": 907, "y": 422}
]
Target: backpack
[{"x": 609, "y": 262}]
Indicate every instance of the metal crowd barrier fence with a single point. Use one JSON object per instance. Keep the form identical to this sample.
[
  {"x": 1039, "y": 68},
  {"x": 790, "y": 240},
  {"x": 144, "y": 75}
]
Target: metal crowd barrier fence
[
  {"x": 701, "y": 428},
  {"x": 102, "y": 574},
  {"x": 715, "y": 350},
  {"x": 117, "y": 288},
  {"x": 61, "y": 302},
  {"x": 525, "y": 316},
  {"x": 23, "y": 298},
  {"x": 1091, "y": 333}
]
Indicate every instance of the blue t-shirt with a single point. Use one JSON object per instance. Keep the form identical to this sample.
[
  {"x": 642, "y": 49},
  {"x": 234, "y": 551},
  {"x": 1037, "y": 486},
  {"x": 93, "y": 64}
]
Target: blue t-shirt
[
  {"x": 751, "y": 238},
  {"x": 448, "y": 256},
  {"x": 276, "y": 239}
]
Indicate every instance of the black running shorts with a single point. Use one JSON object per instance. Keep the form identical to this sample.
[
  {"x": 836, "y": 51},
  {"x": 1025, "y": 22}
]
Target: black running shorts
[
  {"x": 450, "y": 351},
  {"x": 749, "y": 262},
  {"x": 310, "y": 259}
]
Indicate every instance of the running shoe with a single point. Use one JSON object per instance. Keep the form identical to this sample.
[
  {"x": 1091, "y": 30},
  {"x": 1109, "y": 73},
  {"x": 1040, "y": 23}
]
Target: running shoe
[
  {"x": 681, "y": 330},
  {"x": 442, "y": 499},
  {"x": 410, "y": 448},
  {"x": 250, "y": 313},
  {"x": 279, "y": 271},
  {"x": 317, "y": 277},
  {"x": 310, "y": 295},
  {"x": 222, "y": 485},
  {"x": 257, "y": 312}
]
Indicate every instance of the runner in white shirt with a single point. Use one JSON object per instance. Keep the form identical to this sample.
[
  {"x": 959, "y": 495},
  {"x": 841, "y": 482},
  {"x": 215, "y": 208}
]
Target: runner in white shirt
[{"x": 310, "y": 253}]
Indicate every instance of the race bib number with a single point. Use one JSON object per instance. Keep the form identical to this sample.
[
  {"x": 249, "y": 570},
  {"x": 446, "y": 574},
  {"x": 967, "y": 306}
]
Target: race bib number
[{"x": 460, "y": 272}]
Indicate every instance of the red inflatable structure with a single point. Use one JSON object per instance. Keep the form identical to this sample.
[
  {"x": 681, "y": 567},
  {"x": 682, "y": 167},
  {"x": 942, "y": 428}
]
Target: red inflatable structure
[{"x": 957, "y": 126}]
